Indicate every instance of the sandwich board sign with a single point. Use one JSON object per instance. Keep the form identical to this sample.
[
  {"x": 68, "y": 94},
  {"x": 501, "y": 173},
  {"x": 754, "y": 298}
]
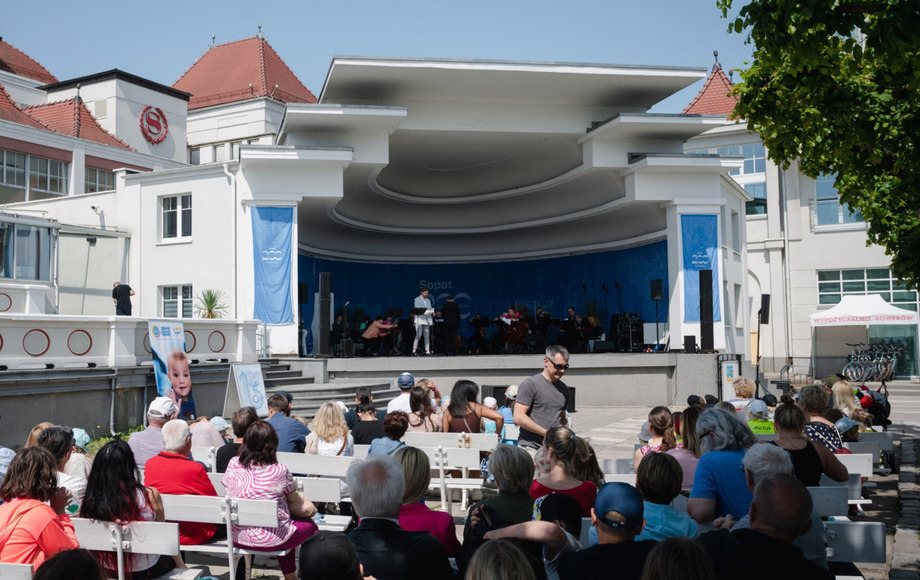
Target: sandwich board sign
[{"x": 246, "y": 388}]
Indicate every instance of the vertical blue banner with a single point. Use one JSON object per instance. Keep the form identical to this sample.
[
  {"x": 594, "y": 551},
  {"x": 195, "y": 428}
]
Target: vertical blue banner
[
  {"x": 272, "y": 228},
  {"x": 700, "y": 240}
]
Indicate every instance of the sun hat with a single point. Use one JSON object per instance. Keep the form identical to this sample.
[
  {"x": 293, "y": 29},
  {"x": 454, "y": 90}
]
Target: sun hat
[{"x": 81, "y": 439}]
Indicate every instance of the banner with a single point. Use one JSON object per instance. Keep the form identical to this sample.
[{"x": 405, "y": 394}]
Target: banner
[
  {"x": 170, "y": 365},
  {"x": 272, "y": 228},
  {"x": 700, "y": 239}
]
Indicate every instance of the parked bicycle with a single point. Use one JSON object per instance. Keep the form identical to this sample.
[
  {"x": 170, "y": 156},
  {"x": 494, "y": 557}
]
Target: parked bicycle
[{"x": 871, "y": 362}]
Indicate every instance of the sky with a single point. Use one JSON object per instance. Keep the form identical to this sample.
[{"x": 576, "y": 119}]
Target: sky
[{"x": 160, "y": 40}]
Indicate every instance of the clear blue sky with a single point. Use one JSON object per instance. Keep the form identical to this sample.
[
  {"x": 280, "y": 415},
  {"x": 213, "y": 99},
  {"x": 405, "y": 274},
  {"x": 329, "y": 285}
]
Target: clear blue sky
[{"x": 160, "y": 40}]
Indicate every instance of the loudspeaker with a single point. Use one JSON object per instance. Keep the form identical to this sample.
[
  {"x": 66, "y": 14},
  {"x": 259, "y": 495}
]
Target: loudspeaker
[
  {"x": 689, "y": 343},
  {"x": 656, "y": 289},
  {"x": 765, "y": 309},
  {"x": 325, "y": 283},
  {"x": 303, "y": 293},
  {"x": 706, "y": 336},
  {"x": 348, "y": 348}
]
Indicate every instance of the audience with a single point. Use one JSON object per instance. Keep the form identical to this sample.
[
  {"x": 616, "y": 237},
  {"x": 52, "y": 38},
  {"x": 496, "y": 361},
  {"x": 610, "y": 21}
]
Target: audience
[
  {"x": 688, "y": 454},
  {"x": 414, "y": 515},
  {"x": 330, "y": 434},
  {"x": 59, "y": 441},
  {"x": 386, "y": 551},
  {"x": 744, "y": 394},
  {"x": 678, "y": 558},
  {"x": 718, "y": 484},
  {"x": 80, "y": 462},
  {"x": 499, "y": 560},
  {"x": 329, "y": 556},
  {"x": 659, "y": 481},
  {"x": 172, "y": 472},
  {"x": 844, "y": 398},
  {"x": 292, "y": 434},
  {"x": 362, "y": 395},
  {"x": 566, "y": 454},
  {"x": 780, "y": 512},
  {"x": 488, "y": 425},
  {"x": 661, "y": 429},
  {"x": 147, "y": 443},
  {"x": 813, "y": 399},
  {"x": 34, "y": 524},
  {"x": 513, "y": 470},
  {"x": 809, "y": 459},
  {"x": 394, "y": 427},
  {"x": 239, "y": 421},
  {"x": 464, "y": 414},
  {"x": 759, "y": 418},
  {"x": 369, "y": 425},
  {"x": 76, "y": 564},
  {"x": 618, "y": 517},
  {"x": 507, "y": 413},
  {"x": 114, "y": 493},
  {"x": 256, "y": 474},
  {"x": 405, "y": 382},
  {"x": 205, "y": 433},
  {"x": 423, "y": 417},
  {"x": 32, "y": 439}
]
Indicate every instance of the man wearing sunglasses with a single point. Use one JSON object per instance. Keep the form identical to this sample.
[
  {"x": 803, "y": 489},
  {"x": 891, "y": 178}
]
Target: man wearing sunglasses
[{"x": 542, "y": 400}]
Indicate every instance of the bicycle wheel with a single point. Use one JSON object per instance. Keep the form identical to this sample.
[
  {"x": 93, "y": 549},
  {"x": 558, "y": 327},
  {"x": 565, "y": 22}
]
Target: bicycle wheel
[{"x": 853, "y": 371}]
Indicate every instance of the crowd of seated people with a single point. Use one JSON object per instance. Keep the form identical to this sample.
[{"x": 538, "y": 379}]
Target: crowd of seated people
[{"x": 751, "y": 494}]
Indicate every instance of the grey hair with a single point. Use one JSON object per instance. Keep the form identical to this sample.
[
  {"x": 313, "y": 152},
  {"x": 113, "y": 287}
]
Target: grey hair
[
  {"x": 512, "y": 468},
  {"x": 554, "y": 349},
  {"x": 763, "y": 459},
  {"x": 376, "y": 486},
  {"x": 175, "y": 434},
  {"x": 720, "y": 430}
]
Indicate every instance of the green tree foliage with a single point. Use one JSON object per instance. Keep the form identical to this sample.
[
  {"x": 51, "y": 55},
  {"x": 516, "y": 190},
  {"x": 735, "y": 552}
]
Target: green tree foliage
[
  {"x": 210, "y": 304},
  {"x": 836, "y": 86}
]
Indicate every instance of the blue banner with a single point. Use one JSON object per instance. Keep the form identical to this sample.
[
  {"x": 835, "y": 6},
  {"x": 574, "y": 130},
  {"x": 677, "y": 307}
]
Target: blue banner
[
  {"x": 700, "y": 239},
  {"x": 489, "y": 288},
  {"x": 272, "y": 228}
]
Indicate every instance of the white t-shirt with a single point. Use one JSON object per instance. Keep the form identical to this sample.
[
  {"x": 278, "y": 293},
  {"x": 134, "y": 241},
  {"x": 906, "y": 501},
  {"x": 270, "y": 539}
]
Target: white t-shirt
[
  {"x": 333, "y": 447},
  {"x": 76, "y": 485},
  {"x": 400, "y": 403}
]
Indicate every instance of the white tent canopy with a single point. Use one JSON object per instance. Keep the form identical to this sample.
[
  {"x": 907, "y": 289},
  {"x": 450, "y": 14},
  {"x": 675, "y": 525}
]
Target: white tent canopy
[{"x": 863, "y": 311}]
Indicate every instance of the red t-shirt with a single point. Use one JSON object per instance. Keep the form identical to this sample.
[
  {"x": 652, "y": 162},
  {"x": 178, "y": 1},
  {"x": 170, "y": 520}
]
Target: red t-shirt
[
  {"x": 175, "y": 474},
  {"x": 584, "y": 494}
]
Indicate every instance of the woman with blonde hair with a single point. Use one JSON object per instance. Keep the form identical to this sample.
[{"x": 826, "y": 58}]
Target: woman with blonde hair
[
  {"x": 661, "y": 428},
  {"x": 415, "y": 516},
  {"x": 330, "y": 434},
  {"x": 844, "y": 399},
  {"x": 688, "y": 454},
  {"x": 499, "y": 560},
  {"x": 573, "y": 469}
]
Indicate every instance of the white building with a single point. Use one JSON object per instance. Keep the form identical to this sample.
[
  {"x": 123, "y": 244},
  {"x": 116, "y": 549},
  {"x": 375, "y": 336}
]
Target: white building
[
  {"x": 459, "y": 169},
  {"x": 805, "y": 249}
]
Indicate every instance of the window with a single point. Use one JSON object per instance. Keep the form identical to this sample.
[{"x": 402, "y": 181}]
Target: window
[
  {"x": 194, "y": 156},
  {"x": 24, "y": 177},
  {"x": 828, "y": 209},
  {"x": 99, "y": 180},
  {"x": 177, "y": 216},
  {"x": 751, "y": 175},
  {"x": 177, "y": 301},
  {"x": 25, "y": 252},
  {"x": 834, "y": 284},
  {"x": 757, "y": 206}
]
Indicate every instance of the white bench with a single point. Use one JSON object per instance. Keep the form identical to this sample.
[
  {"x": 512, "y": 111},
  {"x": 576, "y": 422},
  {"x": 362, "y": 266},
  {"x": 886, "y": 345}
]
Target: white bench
[
  {"x": 482, "y": 441},
  {"x": 884, "y": 440},
  {"x": 870, "y": 447},
  {"x": 830, "y": 500},
  {"x": 617, "y": 466},
  {"x": 361, "y": 451},
  {"x": 206, "y": 455},
  {"x": 135, "y": 538},
  {"x": 9, "y": 571},
  {"x": 223, "y": 511},
  {"x": 321, "y": 489},
  {"x": 316, "y": 465},
  {"x": 849, "y": 541},
  {"x": 512, "y": 432},
  {"x": 452, "y": 458},
  {"x": 629, "y": 478},
  {"x": 860, "y": 463}
]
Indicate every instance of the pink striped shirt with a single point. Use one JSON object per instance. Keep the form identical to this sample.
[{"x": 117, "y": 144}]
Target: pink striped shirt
[{"x": 272, "y": 482}]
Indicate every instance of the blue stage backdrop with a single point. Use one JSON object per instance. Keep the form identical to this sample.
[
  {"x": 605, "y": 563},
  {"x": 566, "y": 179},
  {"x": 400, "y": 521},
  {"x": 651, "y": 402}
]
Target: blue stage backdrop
[{"x": 490, "y": 288}]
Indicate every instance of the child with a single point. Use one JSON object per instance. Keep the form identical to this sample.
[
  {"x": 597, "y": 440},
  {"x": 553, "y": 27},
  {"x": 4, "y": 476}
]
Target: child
[
  {"x": 488, "y": 425},
  {"x": 659, "y": 479},
  {"x": 181, "y": 381}
]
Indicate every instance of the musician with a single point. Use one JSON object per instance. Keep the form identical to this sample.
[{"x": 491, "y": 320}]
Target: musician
[
  {"x": 450, "y": 312},
  {"x": 376, "y": 335},
  {"x": 423, "y": 321}
]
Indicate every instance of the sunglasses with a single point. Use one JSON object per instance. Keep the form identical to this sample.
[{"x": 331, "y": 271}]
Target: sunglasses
[{"x": 559, "y": 367}]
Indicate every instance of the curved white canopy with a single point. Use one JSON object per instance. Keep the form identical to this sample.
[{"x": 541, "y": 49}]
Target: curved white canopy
[{"x": 863, "y": 311}]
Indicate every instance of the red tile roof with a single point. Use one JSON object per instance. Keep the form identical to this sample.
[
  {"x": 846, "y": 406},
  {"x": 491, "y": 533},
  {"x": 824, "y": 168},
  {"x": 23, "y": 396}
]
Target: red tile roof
[
  {"x": 715, "y": 97},
  {"x": 238, "y": 71},
  {"x": 19, "y": 63},
  {"x": 71, "y": 117},
  {"x": 10, "y": 112}
]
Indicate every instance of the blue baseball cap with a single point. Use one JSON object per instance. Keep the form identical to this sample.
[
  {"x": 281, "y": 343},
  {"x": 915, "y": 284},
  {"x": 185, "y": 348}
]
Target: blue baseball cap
[
  {"x": 621, "y": 498},
  {"x": 405, "y": 381}
]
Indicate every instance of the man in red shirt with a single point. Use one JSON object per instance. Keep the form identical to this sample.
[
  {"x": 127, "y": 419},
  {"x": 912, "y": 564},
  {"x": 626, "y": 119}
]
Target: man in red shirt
[{"x": 172, "y": 472}]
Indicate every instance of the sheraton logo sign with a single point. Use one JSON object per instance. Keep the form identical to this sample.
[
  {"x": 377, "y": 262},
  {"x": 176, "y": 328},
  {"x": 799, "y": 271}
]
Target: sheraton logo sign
[{"x": 153, "y": 124}]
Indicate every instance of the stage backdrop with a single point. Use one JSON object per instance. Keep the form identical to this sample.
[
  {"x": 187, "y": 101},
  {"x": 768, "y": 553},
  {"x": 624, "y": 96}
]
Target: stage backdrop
[{"x": 489, "y": 288}]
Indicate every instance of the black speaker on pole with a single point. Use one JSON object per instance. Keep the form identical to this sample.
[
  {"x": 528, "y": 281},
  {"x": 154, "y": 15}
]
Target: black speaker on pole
[
  {"x": 656, "y": 290},
  {"x": 303, "y": 293},
  {"x": 689, "y": 343},
  {"x": 765, "y": 309},
  {"x": 325, "y": 300},
  {"x": 706, "y": 336}
]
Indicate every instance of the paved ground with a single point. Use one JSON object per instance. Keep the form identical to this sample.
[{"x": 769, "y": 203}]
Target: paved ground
[{"x": 613, "y": 433}]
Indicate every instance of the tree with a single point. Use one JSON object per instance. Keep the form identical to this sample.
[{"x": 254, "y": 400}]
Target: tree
[
  {"x": 836, "y": 86},
  {"x": 210, "y": 304}
]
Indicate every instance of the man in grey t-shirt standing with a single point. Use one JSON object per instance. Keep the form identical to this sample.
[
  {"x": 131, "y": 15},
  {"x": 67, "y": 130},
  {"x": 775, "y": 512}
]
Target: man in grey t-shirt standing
[{"x": 542, "y": 399}]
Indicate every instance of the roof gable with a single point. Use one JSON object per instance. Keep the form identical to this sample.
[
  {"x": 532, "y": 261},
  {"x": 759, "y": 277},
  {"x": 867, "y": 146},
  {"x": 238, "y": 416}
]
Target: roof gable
[
  {"x": 15, "y": 61},
  {"x": 10, "y": 112},
  {"x": 239, "y": 71},
  {"x": 715, "y": 97},
  {"x": 71, "y": 117}
]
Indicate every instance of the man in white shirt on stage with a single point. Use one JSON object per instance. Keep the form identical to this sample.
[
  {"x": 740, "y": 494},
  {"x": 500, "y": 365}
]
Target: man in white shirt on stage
[{"x": 423, "y": 321}]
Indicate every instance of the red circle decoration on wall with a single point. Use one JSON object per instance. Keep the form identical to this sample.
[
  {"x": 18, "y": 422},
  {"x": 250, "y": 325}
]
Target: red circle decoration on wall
[
  {"x": 147, "y": 343},
  {"x": 153, "y": 124},
  {"x": 1, "y": 342},
  {"x": 36, "y": 342},
  {"x": 5, "y": 302},
  {"x": 79, "y": 338},
  {"x": 194, "y": 341},
  {"x": 217, "y": 341}
]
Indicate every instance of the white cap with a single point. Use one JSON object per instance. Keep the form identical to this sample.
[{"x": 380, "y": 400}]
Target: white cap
[
  {"x": 490, "y": 402},
  {"x": 162, "y": 407}
]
